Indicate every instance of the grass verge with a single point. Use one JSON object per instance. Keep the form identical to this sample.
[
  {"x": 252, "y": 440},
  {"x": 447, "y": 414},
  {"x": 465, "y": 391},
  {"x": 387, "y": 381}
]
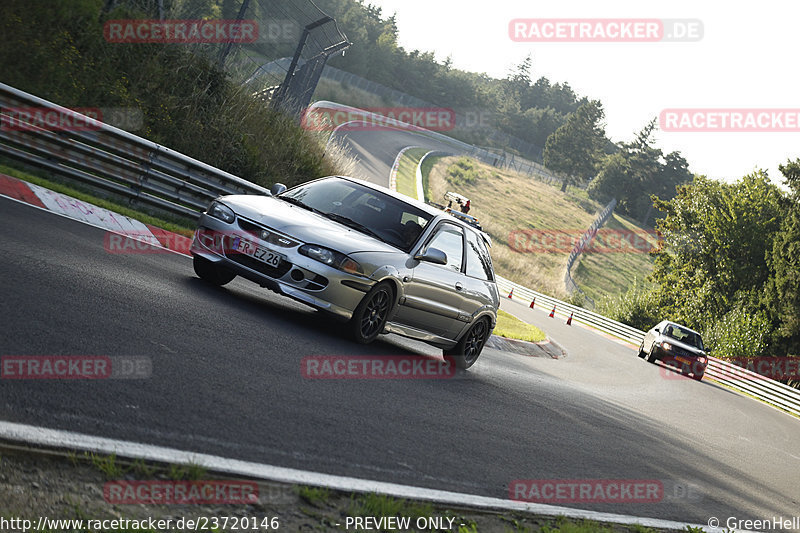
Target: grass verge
[
  {"x": 604, "y": 274},
  {"x": 533, "y": 226},
  {"x": 71, "y": 486},
  {"x": 407, "y": 171},
  {"x": 513, "y": 328}
]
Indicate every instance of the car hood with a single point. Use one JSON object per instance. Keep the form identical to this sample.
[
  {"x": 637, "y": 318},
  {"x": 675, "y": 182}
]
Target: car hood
[
  {"x": 679, "y": 344},
  {"x": 304, "y": 225}
]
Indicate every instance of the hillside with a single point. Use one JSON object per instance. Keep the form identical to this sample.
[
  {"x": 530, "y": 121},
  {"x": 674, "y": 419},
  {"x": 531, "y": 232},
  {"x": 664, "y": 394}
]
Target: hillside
[{"x": 533, "y": 226}]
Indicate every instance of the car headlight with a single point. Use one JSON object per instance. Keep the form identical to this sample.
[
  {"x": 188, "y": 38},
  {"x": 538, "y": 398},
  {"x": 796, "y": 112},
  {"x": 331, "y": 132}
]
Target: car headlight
[
  {"x": 331, "y": 258},
  {"x": 221, "y": 211},
  {"x": 666, "y": 345}
]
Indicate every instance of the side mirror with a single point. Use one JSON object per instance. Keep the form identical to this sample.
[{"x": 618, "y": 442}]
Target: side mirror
[
  {"x": 657, "y": 330},
  {"x": 432, "y": 255},
  {"x": 277, "y": 188}
]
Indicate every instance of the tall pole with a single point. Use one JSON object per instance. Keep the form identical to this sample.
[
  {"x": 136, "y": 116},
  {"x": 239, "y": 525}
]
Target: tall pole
[{"x": 227, "y": 49}]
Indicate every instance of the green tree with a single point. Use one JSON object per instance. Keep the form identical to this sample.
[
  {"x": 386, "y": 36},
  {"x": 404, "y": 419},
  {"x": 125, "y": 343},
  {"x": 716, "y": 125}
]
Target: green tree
[
  {"x": 715, "y": 239},
  {"x": 783, "y": 289},
  {"x": 638, "y": 170},
  {"x": 575, "y": 148}
]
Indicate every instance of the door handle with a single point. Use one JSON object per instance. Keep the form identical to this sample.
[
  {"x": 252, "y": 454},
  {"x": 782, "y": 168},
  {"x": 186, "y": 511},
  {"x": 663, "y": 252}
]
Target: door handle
[{"x": 459, "y": 286}]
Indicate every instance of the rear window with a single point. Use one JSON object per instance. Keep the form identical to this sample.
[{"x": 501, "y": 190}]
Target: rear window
[{"x": 479, "y": 262}]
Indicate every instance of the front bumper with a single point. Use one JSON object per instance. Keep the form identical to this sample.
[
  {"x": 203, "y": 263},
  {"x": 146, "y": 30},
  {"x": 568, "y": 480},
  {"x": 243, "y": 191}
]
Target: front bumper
[
  {"x": 684, "y": 362},
  {"x": 296, "y": 276}
]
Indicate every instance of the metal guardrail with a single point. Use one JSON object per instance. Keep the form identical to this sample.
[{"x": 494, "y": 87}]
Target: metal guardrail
[
  {"x": 109, "y": 158},
  {"x": 724, "y": 372},
  {"x": 581, "y": 245}
]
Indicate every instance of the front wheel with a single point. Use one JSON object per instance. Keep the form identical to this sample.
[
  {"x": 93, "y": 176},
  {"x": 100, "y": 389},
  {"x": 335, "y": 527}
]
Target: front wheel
[
  {"x": 651, "y": 357},
  {"x": 212, "y": 273},
  {"x": 371, "y": 314},
  {"x": 641, "y": 350},
  {"x": 466, "y": 352}
]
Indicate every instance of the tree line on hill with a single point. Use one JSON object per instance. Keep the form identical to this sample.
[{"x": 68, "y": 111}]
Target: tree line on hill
[{"x": 569, "y": 127}]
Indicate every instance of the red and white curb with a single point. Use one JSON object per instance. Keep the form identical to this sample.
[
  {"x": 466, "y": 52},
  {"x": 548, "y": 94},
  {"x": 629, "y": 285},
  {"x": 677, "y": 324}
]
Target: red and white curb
[{"x": 93, "y": 215}]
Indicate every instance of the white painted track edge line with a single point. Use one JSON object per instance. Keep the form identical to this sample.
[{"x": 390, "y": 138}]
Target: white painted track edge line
[{"x": 60, "y": 439}]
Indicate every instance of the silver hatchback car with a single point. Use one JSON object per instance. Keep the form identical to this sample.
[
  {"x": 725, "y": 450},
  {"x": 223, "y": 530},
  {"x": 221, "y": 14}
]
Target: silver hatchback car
[{"x": 381, "y": 261}]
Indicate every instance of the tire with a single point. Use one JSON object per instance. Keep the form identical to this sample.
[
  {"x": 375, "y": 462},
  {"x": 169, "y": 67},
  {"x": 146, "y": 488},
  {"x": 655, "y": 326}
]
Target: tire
[
  {"x": 370, "y": 316},
  {"x": 212, "y": 273},
  {"x": 641, "y": 351},
  {"x": 469, "y": 347},
  {"x": 698, "y": 376},
  {"x": 651, "y": 357}
]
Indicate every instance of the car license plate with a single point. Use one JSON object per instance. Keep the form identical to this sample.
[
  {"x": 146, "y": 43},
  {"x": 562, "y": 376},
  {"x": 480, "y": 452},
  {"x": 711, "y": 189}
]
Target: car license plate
[
  {"x": 683, "y": 360},
  {"x": 265, "y": 255}
]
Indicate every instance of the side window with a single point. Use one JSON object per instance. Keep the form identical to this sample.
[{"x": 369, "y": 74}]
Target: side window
[
  {"x": 479, "y": 262},
  {"x": 449, "y": 239}
]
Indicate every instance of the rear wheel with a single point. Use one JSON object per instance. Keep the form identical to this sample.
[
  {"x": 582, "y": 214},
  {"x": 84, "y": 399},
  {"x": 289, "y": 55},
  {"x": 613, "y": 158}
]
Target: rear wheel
[
  {"x": 212, "y": 273},
  {"x": 466, "y": 352},
  {"x": 371, "y": 314}
]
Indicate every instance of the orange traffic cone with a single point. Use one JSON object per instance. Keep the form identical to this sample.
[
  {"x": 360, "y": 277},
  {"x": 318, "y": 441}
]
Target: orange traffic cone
[
  {"x": 553, "y": 312},
  {"x": 533, "y": 302},
  {"x": 510, "y": 294},
  {"x": 569, "y": 320}
]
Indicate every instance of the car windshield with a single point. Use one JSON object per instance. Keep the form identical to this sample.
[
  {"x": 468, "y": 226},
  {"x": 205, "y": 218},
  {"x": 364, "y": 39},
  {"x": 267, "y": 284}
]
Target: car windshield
[
  {"x": 684, "y": 335},
  {"x": 363, "y": 209}
]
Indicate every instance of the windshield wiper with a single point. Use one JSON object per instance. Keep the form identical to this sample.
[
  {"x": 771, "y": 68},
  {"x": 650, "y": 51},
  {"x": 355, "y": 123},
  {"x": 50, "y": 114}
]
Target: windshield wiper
[
  {"x": 299, "y": 203},
  {"x": 349, "y": 222}
]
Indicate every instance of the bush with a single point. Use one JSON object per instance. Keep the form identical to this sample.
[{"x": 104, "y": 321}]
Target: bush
[
  {"x": 577, "y": 298},
  {"x": 463, "y": 172},
  {"x": 740, "y": 333},
  {"x": 639, "y": 307}
]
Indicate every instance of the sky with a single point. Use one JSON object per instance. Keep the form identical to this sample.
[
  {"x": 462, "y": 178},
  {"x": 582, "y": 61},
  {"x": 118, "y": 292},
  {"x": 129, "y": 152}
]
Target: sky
[{"x": 745, "y": 59}]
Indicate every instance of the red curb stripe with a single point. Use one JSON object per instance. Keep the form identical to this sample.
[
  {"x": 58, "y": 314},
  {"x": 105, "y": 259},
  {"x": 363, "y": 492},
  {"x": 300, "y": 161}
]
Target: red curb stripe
[
  {"x": 170, "y": 240},
  {"x": 19, "y": 190}
]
